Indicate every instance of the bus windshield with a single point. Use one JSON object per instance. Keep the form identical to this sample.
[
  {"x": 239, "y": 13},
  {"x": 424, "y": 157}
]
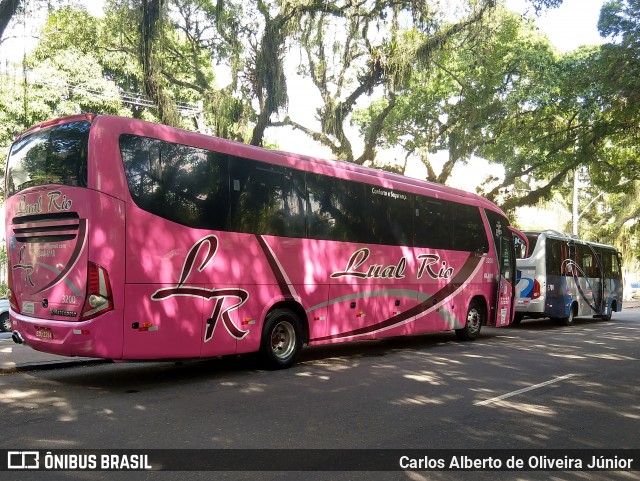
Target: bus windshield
[
  {"x": 533, "y": 240},
  {"x": 57, "y": 155}
]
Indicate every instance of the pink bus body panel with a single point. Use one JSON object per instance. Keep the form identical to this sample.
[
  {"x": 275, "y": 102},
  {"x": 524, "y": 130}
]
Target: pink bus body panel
[
  {"x": 103, "y": 235},
  {"x": 181, "y": 292}
]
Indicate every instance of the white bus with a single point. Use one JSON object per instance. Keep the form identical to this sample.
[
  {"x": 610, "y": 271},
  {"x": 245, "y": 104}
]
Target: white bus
[{"x": 565, "y": 277}]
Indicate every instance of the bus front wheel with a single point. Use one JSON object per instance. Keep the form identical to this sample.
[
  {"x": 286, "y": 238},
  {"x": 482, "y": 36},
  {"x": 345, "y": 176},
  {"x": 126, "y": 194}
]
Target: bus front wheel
[
  {"x": 567, "y": 321},
  {"x": 474, "y": 321},
  {"x": 281, "y": 339},
  {"x": 517, "y": 318}
]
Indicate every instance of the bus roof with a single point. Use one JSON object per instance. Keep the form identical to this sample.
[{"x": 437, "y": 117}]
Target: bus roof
[
  {"x": 567, "y": 237},
  {"x": 57, "y": 121}
]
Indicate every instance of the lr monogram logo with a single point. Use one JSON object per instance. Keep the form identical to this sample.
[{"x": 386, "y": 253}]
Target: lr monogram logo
[
  {"x": 209, "y": 246},
  {"x": 28, "y": 269}
]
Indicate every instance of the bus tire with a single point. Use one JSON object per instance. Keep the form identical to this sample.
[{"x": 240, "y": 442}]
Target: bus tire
[
  {"x": 5, "y": 322},
  {"x": 517, "y": 318},
  {"x": 568, "y": 321},
  {"x": 473, "y": 322},
  {"x": 281, "y": 341},
  {"x": 607, "y": 317}
]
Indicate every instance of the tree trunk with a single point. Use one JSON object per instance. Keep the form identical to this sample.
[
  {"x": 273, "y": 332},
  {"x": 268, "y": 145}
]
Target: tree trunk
[{"x": 150, "y": 33}]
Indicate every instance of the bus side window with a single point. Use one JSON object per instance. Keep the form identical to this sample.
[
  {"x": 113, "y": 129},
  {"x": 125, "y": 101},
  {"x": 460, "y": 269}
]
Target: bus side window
[
  {"x": 603, "y": 264},
  {"x": 554, "y": 257},
  {"x": 336, "y": 208},
  {"x": 468, "y": 229},
  {"x": 615, "y": 263},
  {"x": 431, "y": 224},
  {"x": 256, "y": 197},
  {"x": 585, "y": 261},
  {"x": 389, "y": 216}
]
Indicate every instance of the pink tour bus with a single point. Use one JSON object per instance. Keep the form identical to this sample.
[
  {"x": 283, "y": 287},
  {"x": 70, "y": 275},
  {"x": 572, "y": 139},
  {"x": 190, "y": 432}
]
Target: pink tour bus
[{"x": 129, "y": 240}]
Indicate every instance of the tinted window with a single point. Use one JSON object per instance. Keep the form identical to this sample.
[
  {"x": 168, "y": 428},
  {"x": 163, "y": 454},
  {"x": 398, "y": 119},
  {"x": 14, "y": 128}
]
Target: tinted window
[
  {"x": 497, "y": 225},
  {"x": 468, "y": 229},
  {"x": 586, "y": 261},
  {"x": 389, "y": 216},
  {"x": 57, "y": 155},
  {"x": 337, "y": 209},
  {"x": 533, "y": 241},
  {"x": 616, "y": 268},
  {"x": 266, "y": 199},
  {"x": 432, "y": 224},
  {"x": 209, "y": 190},
  {"x": 442, "y": 224},
  {"x": 557, "y": 252},
  {"x": 180, "y": 183}
]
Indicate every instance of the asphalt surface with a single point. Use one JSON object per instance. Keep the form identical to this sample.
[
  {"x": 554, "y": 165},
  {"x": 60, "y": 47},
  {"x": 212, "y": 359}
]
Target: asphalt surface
[{"x": 19, "y": 357}]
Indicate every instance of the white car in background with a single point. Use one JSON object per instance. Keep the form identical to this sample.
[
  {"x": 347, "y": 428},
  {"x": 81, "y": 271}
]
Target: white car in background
[
  {"x": 632, "y": 291},
  {"x": 5, "y": 322}
]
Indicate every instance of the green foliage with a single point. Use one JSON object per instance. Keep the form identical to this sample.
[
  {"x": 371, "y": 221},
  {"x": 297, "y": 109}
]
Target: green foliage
[{"x": 464, "y": 98}]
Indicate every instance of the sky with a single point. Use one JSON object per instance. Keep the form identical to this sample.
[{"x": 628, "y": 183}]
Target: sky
[{"x": 573, "y": 24}]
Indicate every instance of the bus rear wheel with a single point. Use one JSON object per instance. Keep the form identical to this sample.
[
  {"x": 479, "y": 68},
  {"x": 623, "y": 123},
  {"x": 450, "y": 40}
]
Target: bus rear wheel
[
  {"x": 281, "y": 341},
  {"x": 474, "y": 321},
  {"x": 612, "y": 308}
]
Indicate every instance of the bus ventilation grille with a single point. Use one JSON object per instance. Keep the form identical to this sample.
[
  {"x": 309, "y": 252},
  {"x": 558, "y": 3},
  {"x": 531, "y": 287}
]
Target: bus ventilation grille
[{"x": 52, "y": 227}]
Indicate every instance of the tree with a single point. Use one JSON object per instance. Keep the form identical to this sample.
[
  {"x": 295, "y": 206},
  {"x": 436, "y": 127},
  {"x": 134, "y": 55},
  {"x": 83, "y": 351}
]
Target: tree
[
  {"x": 461, "y": 100},
  {"x": 171, "y": 49},
  {"x": 348, "y": 71},
  {"x": 61, "y": 77},
  {"x": 619, "y": 172},
  {"x": 587, "y": 116},
  {"x": 151, "y": 28}
]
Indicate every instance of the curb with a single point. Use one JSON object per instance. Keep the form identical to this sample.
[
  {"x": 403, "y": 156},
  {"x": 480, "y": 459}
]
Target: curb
[{"x": 50, "y": 365}]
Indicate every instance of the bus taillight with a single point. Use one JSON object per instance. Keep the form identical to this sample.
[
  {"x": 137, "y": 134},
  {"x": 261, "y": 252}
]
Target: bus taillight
[
  {"x": 99, "y": 299},
  {"x": 536, "y": 289}
]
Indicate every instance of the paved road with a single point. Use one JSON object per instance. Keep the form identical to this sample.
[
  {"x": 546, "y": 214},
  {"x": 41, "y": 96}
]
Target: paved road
[{"x": 534, "y": 386}]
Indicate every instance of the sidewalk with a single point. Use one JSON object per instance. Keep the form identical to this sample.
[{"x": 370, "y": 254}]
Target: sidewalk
[{"x": 18, "y": 357}]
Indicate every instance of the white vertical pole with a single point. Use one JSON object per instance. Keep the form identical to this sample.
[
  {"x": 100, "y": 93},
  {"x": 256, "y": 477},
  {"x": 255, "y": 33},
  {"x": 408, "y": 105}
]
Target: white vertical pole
[{"x": 575, "y": 216}]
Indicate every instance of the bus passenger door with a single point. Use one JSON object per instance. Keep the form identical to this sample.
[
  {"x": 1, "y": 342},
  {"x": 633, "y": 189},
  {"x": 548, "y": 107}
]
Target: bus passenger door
[{"x": 506, "y": 280}]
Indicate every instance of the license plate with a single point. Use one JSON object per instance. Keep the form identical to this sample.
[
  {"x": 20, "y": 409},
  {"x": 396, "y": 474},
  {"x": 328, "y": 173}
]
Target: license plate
[{"x": 44, "y": 333}]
